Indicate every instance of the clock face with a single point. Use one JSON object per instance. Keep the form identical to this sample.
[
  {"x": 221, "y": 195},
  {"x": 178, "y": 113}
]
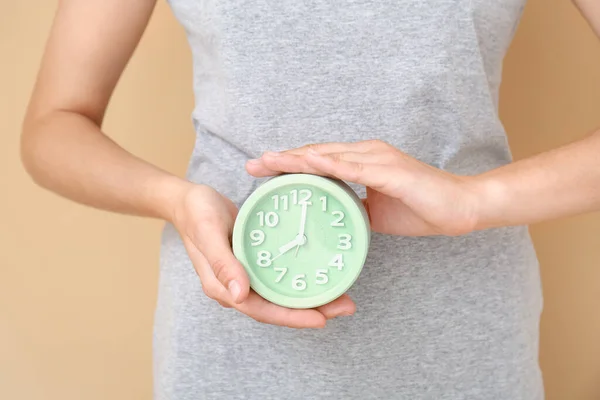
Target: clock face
[{"x": 303, "y": 240}]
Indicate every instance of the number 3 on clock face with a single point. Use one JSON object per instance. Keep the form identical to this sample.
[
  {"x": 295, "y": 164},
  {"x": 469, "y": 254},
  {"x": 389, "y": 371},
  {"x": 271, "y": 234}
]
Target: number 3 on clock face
[{"x": 303, "y": 239}]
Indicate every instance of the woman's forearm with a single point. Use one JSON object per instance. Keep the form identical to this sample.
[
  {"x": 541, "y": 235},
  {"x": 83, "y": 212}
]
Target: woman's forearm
[
  {"x": 68, "y": 154},
  {"x": 63, "y": 148},
  {"x": 558, "y": 183}
]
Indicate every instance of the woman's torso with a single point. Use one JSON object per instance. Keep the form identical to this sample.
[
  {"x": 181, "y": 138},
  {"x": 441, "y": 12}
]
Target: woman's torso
[{"x": 439, "y": 318}]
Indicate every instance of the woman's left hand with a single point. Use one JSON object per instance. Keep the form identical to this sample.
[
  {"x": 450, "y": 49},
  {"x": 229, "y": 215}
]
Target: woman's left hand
[{"x": 404, "y": 196}]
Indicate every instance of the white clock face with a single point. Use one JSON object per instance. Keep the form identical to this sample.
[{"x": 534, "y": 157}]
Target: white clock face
[{"x": 300, "y": 241}]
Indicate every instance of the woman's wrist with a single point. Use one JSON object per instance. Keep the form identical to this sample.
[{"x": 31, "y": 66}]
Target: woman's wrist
[
  {"x": 492, "y": 197},
  {"x": 166, "y": 194}
]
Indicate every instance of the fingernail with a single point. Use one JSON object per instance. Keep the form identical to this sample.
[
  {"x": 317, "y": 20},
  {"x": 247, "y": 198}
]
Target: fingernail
[
  {"x": 234, "y": 290},
  {"x": 271, "y": 154},
  {"x": 254, "y": 161},
  {"x": 344, "y": 314},
  {"x": 313, "y": 152}
]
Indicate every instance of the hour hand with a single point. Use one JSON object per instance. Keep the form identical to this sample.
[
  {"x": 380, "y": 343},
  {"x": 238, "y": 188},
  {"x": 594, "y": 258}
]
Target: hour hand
[{"x": 286, "y": 247}]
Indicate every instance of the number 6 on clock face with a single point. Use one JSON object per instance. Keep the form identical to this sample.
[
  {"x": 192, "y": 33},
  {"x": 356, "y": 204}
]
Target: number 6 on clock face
[{"x": 303, "y": 239}]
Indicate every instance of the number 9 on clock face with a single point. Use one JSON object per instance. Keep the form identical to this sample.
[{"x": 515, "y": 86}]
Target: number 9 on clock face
[{"x": 303, "y": 239}]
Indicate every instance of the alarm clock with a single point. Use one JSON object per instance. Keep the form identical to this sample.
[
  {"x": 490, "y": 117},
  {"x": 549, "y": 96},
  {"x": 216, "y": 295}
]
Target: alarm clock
[{"x": 303, "y": 239}]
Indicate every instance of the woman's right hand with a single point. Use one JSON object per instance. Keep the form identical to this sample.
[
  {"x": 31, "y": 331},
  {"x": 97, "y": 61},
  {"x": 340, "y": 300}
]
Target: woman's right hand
[
  {"x": 64, "y": 150},
  {"x": 204, "y": 218}
]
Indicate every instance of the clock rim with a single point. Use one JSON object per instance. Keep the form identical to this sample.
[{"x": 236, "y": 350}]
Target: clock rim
[{"x": 349, "y": 200}]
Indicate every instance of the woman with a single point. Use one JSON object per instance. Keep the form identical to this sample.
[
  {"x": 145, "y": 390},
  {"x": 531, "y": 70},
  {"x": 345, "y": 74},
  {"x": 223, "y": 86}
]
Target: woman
[{"x": 397, "y": 97}]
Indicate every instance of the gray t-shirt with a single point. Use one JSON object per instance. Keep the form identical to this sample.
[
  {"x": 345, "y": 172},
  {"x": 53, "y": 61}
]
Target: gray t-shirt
[{"x": 438, "y": 317}]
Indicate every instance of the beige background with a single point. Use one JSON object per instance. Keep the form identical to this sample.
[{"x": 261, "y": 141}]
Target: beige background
[{"x": 77, "y": 286}]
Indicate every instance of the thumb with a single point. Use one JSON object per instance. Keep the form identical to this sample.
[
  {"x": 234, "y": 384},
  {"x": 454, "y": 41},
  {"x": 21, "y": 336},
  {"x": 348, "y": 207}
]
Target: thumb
[{"x": 216, "y": 248}]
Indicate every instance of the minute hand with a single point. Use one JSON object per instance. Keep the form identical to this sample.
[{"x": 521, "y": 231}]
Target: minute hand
[
  {"x": 302, "y": 221},
  {"x": 300, "y": 237}
]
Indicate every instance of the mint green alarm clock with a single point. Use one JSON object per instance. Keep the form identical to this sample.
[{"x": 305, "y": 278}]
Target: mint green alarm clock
[{"x": 303, "y": 239}]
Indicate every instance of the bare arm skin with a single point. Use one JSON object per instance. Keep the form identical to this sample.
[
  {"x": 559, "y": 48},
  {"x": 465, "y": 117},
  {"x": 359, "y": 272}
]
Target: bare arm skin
[
  {"x": 558, "y": 183},
  {"x": 590, "y": 10},
  {"x": 63, "y": 147}
]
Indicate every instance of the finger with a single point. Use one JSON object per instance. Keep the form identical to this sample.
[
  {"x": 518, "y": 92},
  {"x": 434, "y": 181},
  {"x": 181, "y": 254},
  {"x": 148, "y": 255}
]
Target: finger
[
  {"x": 381, "y": 158},
  {"x": 375, "y": 176},
  {"x": 363, "y": 146},
  {"x": 342, "y": 306},
  {"x": 257, "y": 168},
  {"x": 269, "y": 313},
  {"x": 210, "y": 284},
  {"x": 268, "y": 164},
  {"x": 277, "y": 163},
  {"x": 224, "y": 305},
  {"x": 213, "y": 242}
]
